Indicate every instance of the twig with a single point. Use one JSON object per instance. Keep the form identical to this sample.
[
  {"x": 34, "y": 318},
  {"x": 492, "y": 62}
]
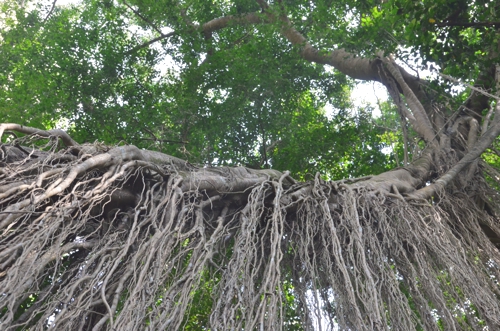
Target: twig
[
  {"x": 143, "y": 18},
  {"x": 470, "y": 86},
  {"x": 50, "y": 12},
  {"x": 152, "y": 41},
  {"x": 467, "y": 24}
]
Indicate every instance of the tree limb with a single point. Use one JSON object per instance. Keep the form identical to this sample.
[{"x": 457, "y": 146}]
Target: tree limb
[
  {"x": 422, "y": 124},
  {"x": 479, "y": 90},
  {"x": 355, "y": 67},
  {"x": 50, "y": 11}
]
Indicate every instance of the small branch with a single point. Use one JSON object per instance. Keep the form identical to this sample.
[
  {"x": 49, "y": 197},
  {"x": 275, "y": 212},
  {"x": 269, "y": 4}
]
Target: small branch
[
  {"x": 152, "y": 41},
  {"x": 50, "y": 12},
  {"x": 470, "y": 86},
  {"x": 166, "y": 140},
  {"x": 473, "y": 129},
  {"x": 143, "y": 18},
  {"x": 486, "y": 121},
  {"x": 466, "y": 25}
]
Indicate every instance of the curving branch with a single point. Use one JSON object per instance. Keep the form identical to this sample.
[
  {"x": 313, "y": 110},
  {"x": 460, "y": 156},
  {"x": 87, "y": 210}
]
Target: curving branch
[
  {"x": 353, "y": 66},
  {"x": 67, "y": 140}
]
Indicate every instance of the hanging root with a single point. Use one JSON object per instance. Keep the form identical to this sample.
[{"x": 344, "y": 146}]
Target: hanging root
[{"x": 108, "y": 240}]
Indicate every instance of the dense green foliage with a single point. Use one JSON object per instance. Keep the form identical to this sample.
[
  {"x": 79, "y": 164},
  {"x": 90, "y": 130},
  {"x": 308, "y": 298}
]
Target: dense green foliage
[{"x": 243, "y": 98}]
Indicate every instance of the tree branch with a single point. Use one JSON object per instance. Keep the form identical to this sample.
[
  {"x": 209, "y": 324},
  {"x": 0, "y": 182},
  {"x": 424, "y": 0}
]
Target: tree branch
[
  {"x": 209, "y": 27},
  {"x": 225, "y": 21},
  {"x": 355, "y": 67},
  {"x": 152, "y": 41},
  {"x": 67, "y": 140},
  {"x": 466, "y": 25},
  {"x": 143, "y": 18},
  {"x": 479, "y": 90},
  {"x": 50, "y": 12},
  {"x": 422, "y": 124}
]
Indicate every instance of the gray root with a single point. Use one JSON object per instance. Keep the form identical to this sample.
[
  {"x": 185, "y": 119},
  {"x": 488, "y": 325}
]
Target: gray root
[{"x": 126, "y": 240}]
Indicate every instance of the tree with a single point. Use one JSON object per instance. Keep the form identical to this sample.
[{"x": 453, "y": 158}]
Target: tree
[{"x": 115, "y": 237}]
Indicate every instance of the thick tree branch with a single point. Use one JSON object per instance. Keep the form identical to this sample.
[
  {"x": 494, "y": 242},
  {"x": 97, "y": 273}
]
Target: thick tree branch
[
  {"x": 364, "y": 69},
  {"x": 355, "y": 67},
  {"x": 347, "y": 63},
  {"x": 225, "y": 21}
]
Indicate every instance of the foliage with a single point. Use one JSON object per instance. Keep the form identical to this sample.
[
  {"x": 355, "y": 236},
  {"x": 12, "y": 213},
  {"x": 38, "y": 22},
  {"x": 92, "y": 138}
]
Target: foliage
[{"x": 79, "y": 68}]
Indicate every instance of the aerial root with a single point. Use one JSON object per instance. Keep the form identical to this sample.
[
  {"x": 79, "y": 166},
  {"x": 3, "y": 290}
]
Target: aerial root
[{"x": 112, "y": 241}]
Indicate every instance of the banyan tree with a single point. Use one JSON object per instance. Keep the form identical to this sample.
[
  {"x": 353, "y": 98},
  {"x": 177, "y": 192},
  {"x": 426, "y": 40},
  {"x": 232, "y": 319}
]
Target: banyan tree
[{"x": 176, "y": 165}]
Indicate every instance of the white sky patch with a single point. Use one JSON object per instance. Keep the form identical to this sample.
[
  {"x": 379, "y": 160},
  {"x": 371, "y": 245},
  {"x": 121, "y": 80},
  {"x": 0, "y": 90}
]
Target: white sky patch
[
  {"x": 368, "y": 93},
  {"x": 68, "y": 2},
  {"x": 371, "y": 93},
  {"x": 362, "y": 95},
  {"x": 318, "y": 315}
]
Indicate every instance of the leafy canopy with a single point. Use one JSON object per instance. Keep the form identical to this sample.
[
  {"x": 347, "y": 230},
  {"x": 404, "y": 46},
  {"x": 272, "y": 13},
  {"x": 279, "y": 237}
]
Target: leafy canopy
[{"x": 241, "y": 96}]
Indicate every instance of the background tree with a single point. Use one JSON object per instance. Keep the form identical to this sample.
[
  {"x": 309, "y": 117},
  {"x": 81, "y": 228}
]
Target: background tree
[{"x": 120, "y": 237}]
